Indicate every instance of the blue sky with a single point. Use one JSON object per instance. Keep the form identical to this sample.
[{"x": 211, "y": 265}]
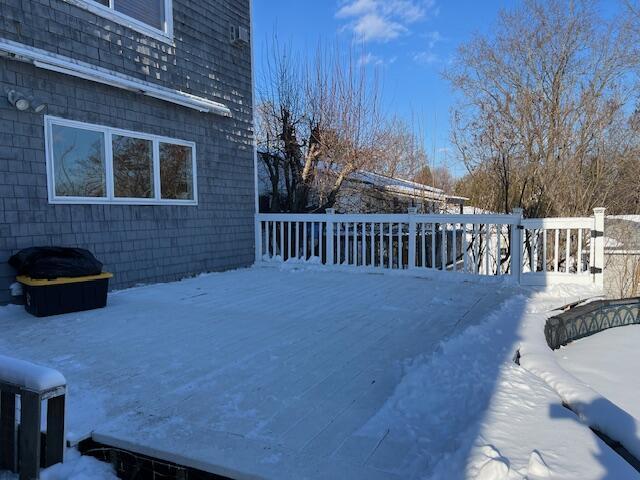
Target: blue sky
[{"x": 411, "y": 41}]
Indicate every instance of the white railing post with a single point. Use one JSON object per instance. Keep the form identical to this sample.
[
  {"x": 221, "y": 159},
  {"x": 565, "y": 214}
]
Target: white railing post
[
  {"x": 516, "y": 245},
  {"x": 597, "y": 236},
  {"x": 412, "y": 238},
  {"x": 258, "y": 238},
  {"x": 330, "y": 223}
]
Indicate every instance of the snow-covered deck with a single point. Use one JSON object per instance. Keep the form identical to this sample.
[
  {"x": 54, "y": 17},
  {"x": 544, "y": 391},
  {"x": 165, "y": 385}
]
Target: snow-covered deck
[
  {"x": 250, "y": 371},
  {"x": 288, "y": 374}
]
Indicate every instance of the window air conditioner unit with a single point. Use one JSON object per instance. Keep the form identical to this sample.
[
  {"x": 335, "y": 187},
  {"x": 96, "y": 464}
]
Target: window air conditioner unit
[{"x": 239, "y": 35}]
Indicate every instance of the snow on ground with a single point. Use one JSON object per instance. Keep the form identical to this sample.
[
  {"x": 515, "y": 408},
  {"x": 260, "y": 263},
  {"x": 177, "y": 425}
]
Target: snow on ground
[
  {"x": 75, "y": 467},
  {"x": 592, "y": 407},
  {"x": 473, "y": 413},
  {"x": 307, "y": 374},
  {"x": 260, "y": 371},
  {"x": 608, "y": 362}
]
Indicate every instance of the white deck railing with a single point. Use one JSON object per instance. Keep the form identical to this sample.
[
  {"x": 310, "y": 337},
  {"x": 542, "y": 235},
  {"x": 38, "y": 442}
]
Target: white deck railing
[{"x": 532, "y": 252}]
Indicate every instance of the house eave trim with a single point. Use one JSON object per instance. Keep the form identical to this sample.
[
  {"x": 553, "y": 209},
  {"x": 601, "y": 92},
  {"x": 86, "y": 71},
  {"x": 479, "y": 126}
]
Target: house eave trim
[{"x": 68, "y": 66}]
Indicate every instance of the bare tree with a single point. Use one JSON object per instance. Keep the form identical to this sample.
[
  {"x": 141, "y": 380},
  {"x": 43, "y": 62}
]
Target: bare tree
[
  {"x": 321, "y": 121},
  {"x": 542, "y": 121},
  {"x": 401, "y": 150},
  {"x": 324, "y": 115}
]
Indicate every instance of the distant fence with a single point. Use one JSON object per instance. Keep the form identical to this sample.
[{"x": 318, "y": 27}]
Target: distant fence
[{"x": 532, "y": 251}]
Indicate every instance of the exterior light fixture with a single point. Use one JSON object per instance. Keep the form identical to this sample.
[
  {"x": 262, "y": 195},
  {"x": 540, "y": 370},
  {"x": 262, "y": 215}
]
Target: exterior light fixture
[
  {"x": 37, "y": 105},
  {"x": 18, "y": 100}
]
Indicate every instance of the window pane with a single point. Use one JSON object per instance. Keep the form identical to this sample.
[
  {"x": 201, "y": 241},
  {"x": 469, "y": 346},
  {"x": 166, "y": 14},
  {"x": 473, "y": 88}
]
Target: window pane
[
  {"x": 150, "y": 12},
  {"x": 78, "y": 162},
  {"x": 132, "y": 167},
  {"x": 104, "y": 2},
  {"x": 176, "y": 172}
]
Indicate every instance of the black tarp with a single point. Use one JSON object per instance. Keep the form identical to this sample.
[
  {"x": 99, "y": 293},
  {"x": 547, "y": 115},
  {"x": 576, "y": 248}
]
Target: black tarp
[{"x": 55, "y": 262}]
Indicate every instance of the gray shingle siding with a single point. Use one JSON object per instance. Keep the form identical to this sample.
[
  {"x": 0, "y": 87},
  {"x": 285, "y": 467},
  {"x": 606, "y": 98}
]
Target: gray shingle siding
[{"x": 139, "y": 243}]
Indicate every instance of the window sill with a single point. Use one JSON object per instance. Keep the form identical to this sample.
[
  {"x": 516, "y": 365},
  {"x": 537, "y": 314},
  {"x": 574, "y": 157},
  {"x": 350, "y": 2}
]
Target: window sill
[
  {"x": 128, "y": 202},
  {"x": 124, "y": 20}
]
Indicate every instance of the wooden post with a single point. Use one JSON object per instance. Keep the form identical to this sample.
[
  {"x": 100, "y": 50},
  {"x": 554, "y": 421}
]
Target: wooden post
[
  {"x": 412, "y": 238},
  {"x": 330, "y": 232},
  {"x": 597, "y": 235},
  {"x": 516, "y": 245},
  {"x": 30, "y": 407},
  {"x": 8, "y": 431},
  {"x": 54, "y": 452}
]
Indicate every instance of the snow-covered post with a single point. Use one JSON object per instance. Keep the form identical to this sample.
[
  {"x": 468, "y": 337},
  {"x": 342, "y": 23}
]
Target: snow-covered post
[
  {"x": 32, "y": 384},
  {"x": 412, "y": 238},
  {"x": 329, "y": 250},
  {"x": 516, "y": 244},
  {"x": 597, "y": 236}
]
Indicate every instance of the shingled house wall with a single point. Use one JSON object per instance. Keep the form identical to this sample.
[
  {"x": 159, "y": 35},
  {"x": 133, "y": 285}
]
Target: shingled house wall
[{"x": 140, "y": 244}]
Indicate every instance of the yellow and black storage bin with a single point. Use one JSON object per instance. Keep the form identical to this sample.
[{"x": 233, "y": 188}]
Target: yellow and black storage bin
[
  {"x": 44, "y": 297},
  {"x": 60, "y": 280}
]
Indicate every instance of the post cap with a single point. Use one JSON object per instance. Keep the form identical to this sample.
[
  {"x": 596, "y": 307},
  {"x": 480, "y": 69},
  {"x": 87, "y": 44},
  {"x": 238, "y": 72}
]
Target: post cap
[
  {"x": 330, "y": 211},
  {"x": 599, "y": 210},
  {"x": 413, "y": 210},
  {"x": 517, "y": 211}
]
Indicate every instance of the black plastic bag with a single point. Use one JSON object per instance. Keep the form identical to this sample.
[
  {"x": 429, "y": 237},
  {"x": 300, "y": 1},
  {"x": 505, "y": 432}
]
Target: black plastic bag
[{"x": 55, "y": 262}]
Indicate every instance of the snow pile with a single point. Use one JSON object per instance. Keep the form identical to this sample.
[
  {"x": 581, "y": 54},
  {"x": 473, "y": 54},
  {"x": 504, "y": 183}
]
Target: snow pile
[
  {"x": 29, "y": 375},
  {"x": 471, "y": 412},
  {"x": 75, "y": 467},
  {"x": 441, "y": 396}
]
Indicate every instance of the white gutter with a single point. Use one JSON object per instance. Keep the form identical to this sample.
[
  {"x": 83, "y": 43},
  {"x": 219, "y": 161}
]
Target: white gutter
[{"x": 75, "y": 68}]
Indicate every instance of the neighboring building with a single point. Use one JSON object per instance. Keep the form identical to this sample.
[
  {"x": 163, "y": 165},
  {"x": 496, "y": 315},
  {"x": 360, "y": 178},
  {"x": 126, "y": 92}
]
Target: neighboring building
[
  {"x": 368, "y": 192},
  {"x": 127, "y": 130}
]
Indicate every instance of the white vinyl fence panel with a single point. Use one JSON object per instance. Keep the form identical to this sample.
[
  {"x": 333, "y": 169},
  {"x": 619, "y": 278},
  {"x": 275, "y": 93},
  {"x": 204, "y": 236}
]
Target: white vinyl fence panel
[{"x": 532, "y": 252}]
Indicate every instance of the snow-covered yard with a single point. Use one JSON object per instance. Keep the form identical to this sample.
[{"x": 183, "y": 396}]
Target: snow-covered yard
[
  {"x": 608, "y": 362},
  {"x": 305, "y": 374}
]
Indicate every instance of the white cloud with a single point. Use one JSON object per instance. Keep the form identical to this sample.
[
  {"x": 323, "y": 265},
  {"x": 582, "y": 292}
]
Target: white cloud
[
  {"x": 372, "y": 26},
  {"x": 383, "y": 20},
  {"x": 371, "y": 59},
  {"x": 428, "y": 56},
  {"x": 356, "y": 8},
  {"x": 433, "y": 38}
]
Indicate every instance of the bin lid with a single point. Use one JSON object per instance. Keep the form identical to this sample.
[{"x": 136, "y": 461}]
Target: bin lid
[{"x": 41, "y": 282}]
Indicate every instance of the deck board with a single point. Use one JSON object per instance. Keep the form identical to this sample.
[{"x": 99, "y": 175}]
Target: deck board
[{"x": 251, "y": 373}]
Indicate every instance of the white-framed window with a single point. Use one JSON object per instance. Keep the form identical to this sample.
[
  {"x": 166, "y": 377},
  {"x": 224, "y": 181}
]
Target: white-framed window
[
  {"x": 151, "y": 17},
  {"x": 96, "y": 164}
]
